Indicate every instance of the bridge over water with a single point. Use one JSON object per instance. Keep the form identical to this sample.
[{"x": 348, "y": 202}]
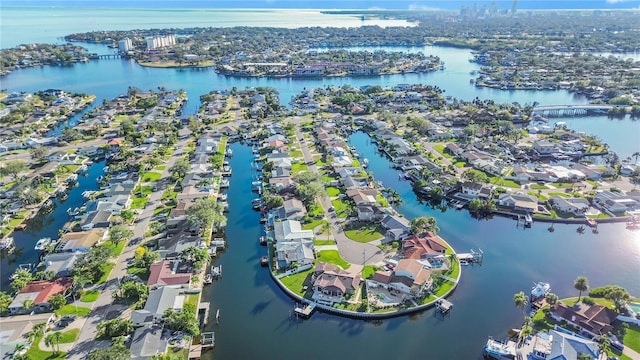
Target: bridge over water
[{"x": 571, "y": 110}]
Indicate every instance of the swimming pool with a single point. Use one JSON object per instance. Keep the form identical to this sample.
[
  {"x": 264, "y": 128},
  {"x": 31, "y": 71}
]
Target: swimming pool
[{"x": 635, "y": 307}]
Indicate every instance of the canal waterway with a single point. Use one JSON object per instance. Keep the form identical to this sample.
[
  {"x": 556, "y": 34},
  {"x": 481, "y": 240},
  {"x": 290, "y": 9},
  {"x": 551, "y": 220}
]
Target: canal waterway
[
  {"x": 254, "y": 313},
  {"x": 46, "y": 224}
]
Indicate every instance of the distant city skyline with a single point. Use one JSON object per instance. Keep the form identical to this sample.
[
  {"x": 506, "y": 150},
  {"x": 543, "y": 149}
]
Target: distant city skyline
[{"x": 336, "y": 4}]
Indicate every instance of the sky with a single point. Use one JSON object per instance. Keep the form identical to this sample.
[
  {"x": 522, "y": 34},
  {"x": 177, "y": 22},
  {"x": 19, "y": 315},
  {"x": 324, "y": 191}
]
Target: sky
[{"x": 335, "y": 4}]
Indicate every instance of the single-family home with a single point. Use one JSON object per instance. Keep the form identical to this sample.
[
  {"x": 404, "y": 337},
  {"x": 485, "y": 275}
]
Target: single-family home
[
  {"x": 61, "y": 264},
  {"x": 410, "y": 277},
  {"x": 616, "y": 202},
  {"x": 292, "y": 209},
  {"x": 81, "y": 241},
  {"x": 331, "y": 284},
  {"x": 148, "y": 341},
  {"x": 575, "y": 206},
  {"x": 168, "y": 273},
  {"x": 362, "y": 196},
  {"x": 97, "y": 219},
  {"x": 555, "y": 344},
  {"x": 423, "y": 246},
  {"x": 594, "y": 320},
  {"x": 159, "y": 300},
  {"x": 519, "y": 201},
  {"x": 473, "y": 190},
  {"x": 397, "y": 228},
  {"x": 39, "y": 293}
]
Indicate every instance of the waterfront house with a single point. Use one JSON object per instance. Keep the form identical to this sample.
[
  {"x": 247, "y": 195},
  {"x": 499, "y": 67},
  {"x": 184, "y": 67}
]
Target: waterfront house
[
  {"x": 397, "y": 228},
  {"x": 593, "y": 320},
  {"x": 556, "y": 345},
  {"x": 575, "y": 206},
  {"x": 81, "y": 241},
  {"x": 421, "y": 162},
  {"x": 423, "y": 246},
  {"x": 410, "y": 277},
  {"x": 351, "y": 183},
  {"x": 96, "y": 219},
  {"x": 159, "y": 300},
  {"x": 282, "y": 184},
  {"x": 292, "y": 209},
  {"x": 292, "y": 243},
  {"x": 148, "y": 341},
  {"x": 544, "y": 147},
  {"x": 61, "y": 264},
  {"x": 519, "y": 201},
  {"x": 168, "y": 273},
  {"x": 616, "y": 202},
  {"x": 454, "y": 149},
  {"x": 362, "y": 196},
  {"x": 473, "y": 190},
  {"x": 331, "y": 284},
  {"x": 39, "y": 293},
  {"x": 368, "y": 212}
]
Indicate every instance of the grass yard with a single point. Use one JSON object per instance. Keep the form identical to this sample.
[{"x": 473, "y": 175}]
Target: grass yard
[
  {"x": 312, "y": 225},
  {"x": 365, "y": 233},
  {"x": 560, "y": 194},
  {"x": 333, "y": 191},
  {"x": 151, "y": 176},
  {"x": 460, "y": 164},
  {"x": 341, "y": 207},
  {"x": 296, "y": 153},
  {"x": 599, "y": 301},
  {"x": 323, "y": 242},
  {"x": 299, "y": 167},
  {"x": 333, "y": 257},
  {"x": 537, "y": 187},
  {"x": 35, "y": 353},
  {"x": 71, "y": 309},
  {"x": 107, "y": 267},
  {"x": 440, "y": 148},
  {"x": 90, "y": 296},
  {"x": 632, "y": 338},
  {"x": 295, "y": 282},
  {"x": 496, "y": 180},
  {"x": 176, "y": 353},
  {"x": 69, "y": 336},
  {"x": 143, "y": 273},
  {"x": 139, "y": 203},
  {"x": 368, "y": 271}
]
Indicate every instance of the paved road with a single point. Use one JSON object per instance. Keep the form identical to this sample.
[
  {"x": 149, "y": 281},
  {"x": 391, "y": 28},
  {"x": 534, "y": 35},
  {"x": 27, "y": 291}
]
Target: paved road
[
  {"x": 104, "y": 308},
  {"x": 352, "y": 251}
]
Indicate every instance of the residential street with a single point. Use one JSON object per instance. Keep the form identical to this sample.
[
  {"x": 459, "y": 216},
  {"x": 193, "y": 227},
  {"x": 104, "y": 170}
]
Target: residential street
[{"x": 103, "y": 308}]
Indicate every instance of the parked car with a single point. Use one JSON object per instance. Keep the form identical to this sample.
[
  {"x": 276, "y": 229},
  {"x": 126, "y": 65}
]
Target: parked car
[
  {"x": 615, "y": 343},
  {"x": 68, "y": 318}
]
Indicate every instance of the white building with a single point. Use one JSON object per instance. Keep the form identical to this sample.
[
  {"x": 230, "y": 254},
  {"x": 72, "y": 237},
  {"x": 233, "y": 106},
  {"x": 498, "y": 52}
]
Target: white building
[
  {"x": 158, "y": 42},
  {"x": 125, "y": 45}
]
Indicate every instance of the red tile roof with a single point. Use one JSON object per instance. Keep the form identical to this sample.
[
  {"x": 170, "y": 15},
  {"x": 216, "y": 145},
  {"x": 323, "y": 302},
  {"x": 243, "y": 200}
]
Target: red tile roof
[
  {"x": 161, "y": 273},
  {"x": 423, "y": 245},
  {"x": 46, "y": 289}
]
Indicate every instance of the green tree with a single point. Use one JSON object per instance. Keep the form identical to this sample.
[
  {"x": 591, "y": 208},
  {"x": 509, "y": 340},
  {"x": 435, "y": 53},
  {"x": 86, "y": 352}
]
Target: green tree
[
  {"x": 273, "y": 201},
  {"x": 57, "y": 301},
  {"x": 39, "y": 153},
  {"x": 309, "y": 192},
  {"x": 520, "y": 301},
  {"x": 132, "y": 291},
  {"x": 13, "y": 169},
  {"x": 118, "y": 233},
  {"x": 551, "y": 298},
  {"x": 180, "y": 168},
  {"x": 21, "y": 278},
  {"x": 117, "y": 351},
  {"x": 423, "y": 224},
  {"x": 53, "y": 341},
  {"x": 581, "y": 284},
  {"x": 475, "y": 176},
  {"x": 116, "y": 327},
  {"x": 206, "y": 212},
  {"x": 5, "y": 301},
  {"x": 184, "y": 320}
]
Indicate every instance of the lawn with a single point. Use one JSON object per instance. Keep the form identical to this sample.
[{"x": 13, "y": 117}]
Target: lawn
[
  {"x": 560, "y": 194},
  {"x": 90, "y": 296},
  {"x": 70, "y": 309},
  {"x": 296, "y": 153},
  {"x": 341, "y": 207},
  {"x": 333, "y": 191},
  {"x": 296, "y": 168},
  {"x": 323, "y": 242},
  {"x": 35, "y": 353},
  {"x": 107, "y": 267},
  {"x": 503, "y": 182},
  {"x": 176, "y": 353},
  {"x": 333, "y": 257},
  {"x": 364, "y": 233},
  {"x": 440, "y": 149},
  {"x": 313, "y": 224},
  {"x": 139, "y": 203},
  {"x": 368, "y": 271},
  {"x": 460, "y": 164},
  {"x": 295, "y": 282},
  {"x": 143, "y": 273},
  {"x": 632, "y": 338},
  {"x": 69, "y": 336},
  {"x": 160, "y": 167},
  {"x": 599, "y": 301},
  {"x": 193, "y": 299},
  {"x": 151, "y": 176},
  {"x": 537, "y": 187}
]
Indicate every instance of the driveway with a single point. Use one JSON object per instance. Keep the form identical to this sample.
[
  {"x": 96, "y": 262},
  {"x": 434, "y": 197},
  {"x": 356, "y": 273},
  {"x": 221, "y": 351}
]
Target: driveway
[{"x": 352, "y": 251}]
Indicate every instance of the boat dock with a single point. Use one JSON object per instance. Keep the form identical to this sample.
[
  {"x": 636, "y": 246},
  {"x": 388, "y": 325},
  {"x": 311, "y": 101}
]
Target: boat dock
[
  {"x": 444, "y": 306},
  {"x": 304, "y": 310},
  {"x": 203, "y": 312},
  {"x": 218, "y": 243}
]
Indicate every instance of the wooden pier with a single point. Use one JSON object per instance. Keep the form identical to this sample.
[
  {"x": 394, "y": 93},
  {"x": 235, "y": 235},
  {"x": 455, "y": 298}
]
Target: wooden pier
[
  {"x": 304, "y": 310},
  {"x": 203, "y": 312},
  {"x": 444, "y": 306}
]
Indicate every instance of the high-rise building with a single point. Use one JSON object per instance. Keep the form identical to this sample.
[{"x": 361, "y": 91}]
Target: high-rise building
[
  {"x": 125, "y": 45},
  {"x": 157, "y": 42}
]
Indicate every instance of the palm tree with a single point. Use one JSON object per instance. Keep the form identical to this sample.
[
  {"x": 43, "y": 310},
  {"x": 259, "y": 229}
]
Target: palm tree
[
  {"x": 635, "y": 156},
  {"x": 39, "y": 328},
  {"x": 520, "y": 300},
  {"x": 604, "y": 344},
  {"x": 53, "y": 341},
  {"x": 581, "y": 284},
  {"x": 551, "y": 298}
]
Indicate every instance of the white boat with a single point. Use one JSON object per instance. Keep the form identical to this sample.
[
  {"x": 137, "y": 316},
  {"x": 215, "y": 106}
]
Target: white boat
[
  {"x": 216, "y": 271},
  {"x": 42, "y": 243},
  {"x": 540, "y": 289},
  {"x": 229, "y": 152},
  {"x": 528, "y": 220},
  {"x": 208, "y": 279},
  {"x": 498, "y": 350},
  {"x": 365, "y": 162},
  {"x": 6, "y": 244}
]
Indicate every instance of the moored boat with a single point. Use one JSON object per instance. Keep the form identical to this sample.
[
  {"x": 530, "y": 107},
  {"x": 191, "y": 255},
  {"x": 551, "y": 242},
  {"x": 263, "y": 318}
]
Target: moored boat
[
  {"x": 42, "y": 243},
  {"x": 540, "y": 289},
  {"x": 498, "y": 350}
]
